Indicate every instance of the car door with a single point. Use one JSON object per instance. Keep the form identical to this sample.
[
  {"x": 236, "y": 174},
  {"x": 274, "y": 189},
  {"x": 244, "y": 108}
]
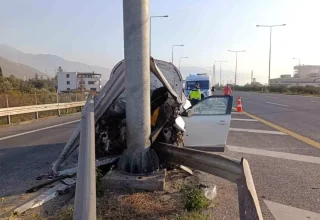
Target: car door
[{"x": 208, "y": 127}]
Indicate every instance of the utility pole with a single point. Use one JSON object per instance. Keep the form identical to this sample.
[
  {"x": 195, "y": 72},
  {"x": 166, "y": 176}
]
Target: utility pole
[
  {"x": 298, "y": 66},
  {"x": 213, "y": 73},
  {"x": 270, "y": 26},
  {"x": 138, "y": 158},
  {"x": 180, "y": 60},
  {"x": 251, "y": 76},
  {"x": 298, "y": 69},
  {"x": 220, "y": 69},
  {"x": 161, "y": 16},
  {"x": 235, "y": 72},
  {"x": 176, "y": 45}
]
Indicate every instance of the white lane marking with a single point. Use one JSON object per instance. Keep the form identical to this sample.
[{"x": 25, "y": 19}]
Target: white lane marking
[
  {"x": 236, "y": 113},
  {"x": 315, "y": 101},
  {"x": 272, "y": 103},
  {"x": 257, "y": 131},
  {"x": 272, "y": 97},
  {"x": 275, "y": 154},
  {"x": 36, "y": 130},
  {"x": 242, "y": 119},
  {"x": 281, "y": 212}
]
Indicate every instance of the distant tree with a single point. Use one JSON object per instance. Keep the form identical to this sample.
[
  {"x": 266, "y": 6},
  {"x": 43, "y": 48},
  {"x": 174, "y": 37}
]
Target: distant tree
[
  {"x": 38, "y": 84},
  {"x": 60, "y": 69},
  {"x": 25, "y": 86},
  {"x": 14, "y": 81},
  {"x": 5, "y": 85},
  {"x": 36, "y": 77},
  {"x": 1, "y": 72}
]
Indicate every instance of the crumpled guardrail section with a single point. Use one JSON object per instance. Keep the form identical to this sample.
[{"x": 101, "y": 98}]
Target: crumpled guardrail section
[{"x": 236, "y": 171}]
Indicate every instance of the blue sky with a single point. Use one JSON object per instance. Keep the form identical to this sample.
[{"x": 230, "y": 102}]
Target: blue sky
[{"x": 92, "y": 32}]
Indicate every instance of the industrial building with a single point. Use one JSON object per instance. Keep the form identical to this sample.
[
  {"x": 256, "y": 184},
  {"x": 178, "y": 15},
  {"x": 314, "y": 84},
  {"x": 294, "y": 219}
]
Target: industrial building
[
  {"x": 306, "y": 71},
  {"x": 288, "y": 80},
  {"x": 75, "y": 81},
  {"x": 304, "y": 75}
]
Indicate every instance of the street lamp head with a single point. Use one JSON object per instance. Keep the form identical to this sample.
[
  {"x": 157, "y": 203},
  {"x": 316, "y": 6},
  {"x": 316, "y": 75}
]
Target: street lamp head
[
  {"x": 270, "y": 26},
  {"x": 236, "y": 51},
  {"x": 159, "y": 16}
]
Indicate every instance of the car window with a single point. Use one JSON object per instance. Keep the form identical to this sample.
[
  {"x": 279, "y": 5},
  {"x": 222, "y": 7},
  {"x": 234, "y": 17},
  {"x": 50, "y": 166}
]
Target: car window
[{"x": 211, "y": 106}]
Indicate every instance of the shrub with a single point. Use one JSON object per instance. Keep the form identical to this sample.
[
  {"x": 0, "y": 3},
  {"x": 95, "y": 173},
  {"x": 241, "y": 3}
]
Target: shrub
[{"x": 194, "y": 198}]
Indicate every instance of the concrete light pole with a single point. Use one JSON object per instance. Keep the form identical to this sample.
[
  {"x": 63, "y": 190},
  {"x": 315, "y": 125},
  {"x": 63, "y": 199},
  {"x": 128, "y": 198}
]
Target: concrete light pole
[
  {"x": 138, "y": 158},
  {"x": 220, "y": 69},
  {"x": 157, "y": 16},
  {"x": 176, "y": 45},
  {"x": 270, "y": 26},
  {"x": 235, "y": 73},
  {"x": 180, "y": 60}
]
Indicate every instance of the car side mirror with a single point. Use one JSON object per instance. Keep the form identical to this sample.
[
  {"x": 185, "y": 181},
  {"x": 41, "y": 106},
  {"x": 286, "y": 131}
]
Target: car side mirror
[{"x": 187, "y": 113}]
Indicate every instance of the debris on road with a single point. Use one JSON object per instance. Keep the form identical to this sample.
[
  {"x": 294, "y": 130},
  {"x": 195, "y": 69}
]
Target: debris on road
[{"x": 41, "y": 199}]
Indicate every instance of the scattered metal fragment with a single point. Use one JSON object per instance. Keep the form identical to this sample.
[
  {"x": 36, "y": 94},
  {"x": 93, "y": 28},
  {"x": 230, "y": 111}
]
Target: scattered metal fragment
[
  {"x": 41, "y": 199},
  {"x": 187, "y": 169},
  {"x": 39, "y": 186},
  {"x": 99, "y": 162}
]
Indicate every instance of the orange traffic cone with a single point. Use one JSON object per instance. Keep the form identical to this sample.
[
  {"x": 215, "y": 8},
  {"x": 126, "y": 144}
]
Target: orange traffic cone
[{"x": 239, "y": 106}]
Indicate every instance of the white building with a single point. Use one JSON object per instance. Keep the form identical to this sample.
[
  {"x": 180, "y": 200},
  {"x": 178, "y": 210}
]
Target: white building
[
  {"x": 68, "y": 81},
  {"x": 287, "y": 80},
  {"x": 304, "y": 71}
]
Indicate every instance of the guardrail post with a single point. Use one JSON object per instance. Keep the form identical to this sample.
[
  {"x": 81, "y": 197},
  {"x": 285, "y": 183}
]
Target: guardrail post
[
  {"x": 36, "y": 113},
  {"x": 85, "y": 199},
  {"x": 59, "y": 113},
  {"x": 8, "y": 117},
  {"x": 249, "y": 207}
]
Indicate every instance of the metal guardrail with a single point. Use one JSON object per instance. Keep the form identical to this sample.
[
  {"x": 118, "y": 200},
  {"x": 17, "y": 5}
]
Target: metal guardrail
[
  {"x": 85, "y": 199},
  {"x": 38, "y": 108}
]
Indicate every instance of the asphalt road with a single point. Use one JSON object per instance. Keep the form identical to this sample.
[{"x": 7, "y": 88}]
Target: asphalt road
[
  {"x": 285, "y": 170},
  {"x": 300, "y": 114},
  {"x": 24, "y": 157}
]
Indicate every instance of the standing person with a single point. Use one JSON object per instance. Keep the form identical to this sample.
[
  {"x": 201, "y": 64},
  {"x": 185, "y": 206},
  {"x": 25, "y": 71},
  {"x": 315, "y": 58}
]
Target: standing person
[
  {"x": 227, "y": 90},
  {"x": 195, "y": 94}
]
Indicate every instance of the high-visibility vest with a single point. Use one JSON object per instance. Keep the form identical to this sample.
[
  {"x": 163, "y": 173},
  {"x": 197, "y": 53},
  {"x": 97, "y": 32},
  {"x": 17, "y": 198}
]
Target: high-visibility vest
[{"x": 195, "y": 94}]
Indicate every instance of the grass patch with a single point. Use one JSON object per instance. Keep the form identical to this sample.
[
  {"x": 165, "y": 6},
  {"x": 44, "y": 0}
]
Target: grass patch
[
  {"x": 99, "y": 186},
  {"x": 194, "y": 198},
  {"x": 66, "y": 213},
  {"x": 193, "y": 216}
]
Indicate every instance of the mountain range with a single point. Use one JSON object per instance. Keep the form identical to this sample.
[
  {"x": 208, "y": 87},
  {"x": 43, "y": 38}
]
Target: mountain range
[
  {"x": 47, "y": 64},
  {"x": 18, "y": 70},
  {"x": 21, "y": 64}
]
